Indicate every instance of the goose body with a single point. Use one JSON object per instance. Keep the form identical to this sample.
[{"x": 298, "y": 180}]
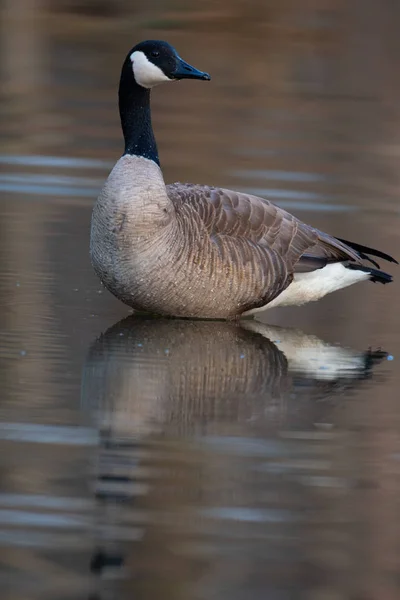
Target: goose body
[{"x": 198, "y": 251}]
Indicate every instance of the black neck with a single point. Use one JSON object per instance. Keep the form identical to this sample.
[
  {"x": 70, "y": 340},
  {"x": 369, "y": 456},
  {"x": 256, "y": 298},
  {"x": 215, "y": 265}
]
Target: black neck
[{"x": 134, "y": 111}]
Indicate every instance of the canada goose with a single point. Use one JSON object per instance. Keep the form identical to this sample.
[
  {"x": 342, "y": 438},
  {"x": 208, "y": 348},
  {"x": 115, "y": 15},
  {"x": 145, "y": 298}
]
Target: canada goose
[{"x": 199, "y": 251}]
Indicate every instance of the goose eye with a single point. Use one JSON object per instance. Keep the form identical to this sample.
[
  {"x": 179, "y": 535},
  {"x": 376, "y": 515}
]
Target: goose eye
[{"x": 155, "y": 53}]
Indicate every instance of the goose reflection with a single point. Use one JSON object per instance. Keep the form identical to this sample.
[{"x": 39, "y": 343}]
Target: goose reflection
[
  {"x": 144, "y": 374},
  {"x": 151, "y": 385}
]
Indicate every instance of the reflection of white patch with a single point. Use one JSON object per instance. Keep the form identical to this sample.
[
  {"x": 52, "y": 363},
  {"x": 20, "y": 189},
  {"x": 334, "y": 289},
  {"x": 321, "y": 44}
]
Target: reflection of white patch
[
  {"x": 311, "y": 356},
  {"x": 307, "y": 287},
  {"x": 145, "y": 72}
]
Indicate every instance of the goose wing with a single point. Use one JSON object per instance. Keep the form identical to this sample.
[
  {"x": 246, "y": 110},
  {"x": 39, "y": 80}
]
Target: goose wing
[
  {"x": 239, "y": 216},
  {"x": 249, "y": 230}
]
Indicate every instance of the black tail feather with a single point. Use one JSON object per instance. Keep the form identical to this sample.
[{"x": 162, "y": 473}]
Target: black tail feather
[
  {"x": 375, "y": 275},
  {"x": 373, "y": 357},
  {"x": 364, "y": 250}
]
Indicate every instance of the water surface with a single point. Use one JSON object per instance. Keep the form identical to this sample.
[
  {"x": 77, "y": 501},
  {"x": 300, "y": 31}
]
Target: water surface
[{"x": 188, "y": 460}]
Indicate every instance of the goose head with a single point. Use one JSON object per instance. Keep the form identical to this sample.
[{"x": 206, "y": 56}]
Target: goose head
[{"x": 154, "y": 62}]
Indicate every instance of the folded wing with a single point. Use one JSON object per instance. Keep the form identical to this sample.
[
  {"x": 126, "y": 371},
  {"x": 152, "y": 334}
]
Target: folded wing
[{"x": 241, "y": 224}]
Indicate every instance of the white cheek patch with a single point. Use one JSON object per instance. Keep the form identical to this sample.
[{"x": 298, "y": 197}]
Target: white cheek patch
[{"x": 145, "y": 72}]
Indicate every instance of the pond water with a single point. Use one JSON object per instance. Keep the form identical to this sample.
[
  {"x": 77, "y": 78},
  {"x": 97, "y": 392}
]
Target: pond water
[{"x": 149, "y": 458}]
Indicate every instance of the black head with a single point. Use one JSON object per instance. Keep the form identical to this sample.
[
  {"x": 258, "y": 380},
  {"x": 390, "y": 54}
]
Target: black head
[{"x": 155, "y": 62}]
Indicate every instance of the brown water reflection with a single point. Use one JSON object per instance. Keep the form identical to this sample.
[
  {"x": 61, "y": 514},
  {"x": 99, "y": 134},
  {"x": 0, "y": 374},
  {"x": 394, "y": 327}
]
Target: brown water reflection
[
  {"x": 227, "y": 450},
  {"x": 169, "y": 459}
]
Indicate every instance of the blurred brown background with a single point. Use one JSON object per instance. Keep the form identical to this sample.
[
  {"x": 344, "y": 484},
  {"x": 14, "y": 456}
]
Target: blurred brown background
[{"x": 304, "y": 109}]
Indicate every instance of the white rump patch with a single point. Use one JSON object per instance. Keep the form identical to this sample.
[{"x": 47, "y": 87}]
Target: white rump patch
[
  {"x": 307, "y": 287},
  {"x": 145, "y": 72}
]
